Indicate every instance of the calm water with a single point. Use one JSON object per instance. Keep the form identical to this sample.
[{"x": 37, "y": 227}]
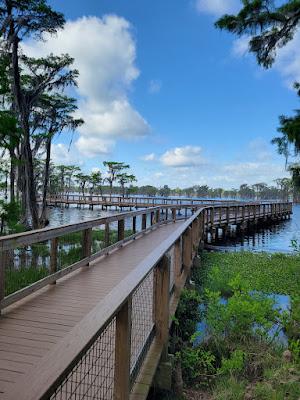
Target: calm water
[{"x": 275, "y": 238}]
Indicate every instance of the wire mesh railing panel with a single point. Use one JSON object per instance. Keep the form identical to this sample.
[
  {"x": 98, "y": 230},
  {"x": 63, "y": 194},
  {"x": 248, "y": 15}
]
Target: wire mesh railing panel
[
  {"x": 171, "y": 255},
  {"x": 25, "y": 265},
  {"x": 93, "y": 375},
  {"x": 142, "y": 323}
]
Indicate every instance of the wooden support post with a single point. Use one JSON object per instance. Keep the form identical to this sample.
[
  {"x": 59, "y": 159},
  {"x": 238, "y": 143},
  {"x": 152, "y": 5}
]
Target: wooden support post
[
  {"x": 152, "y": 218},
  {"x": 228, "y": 215},
  {"x": 53, "y": 256},
  {"x": 122, "y": 352},
  {"x": 243, "y": 213},
  {"x": 177, "y": 266},
  {"x": 121, "y": 228},
  {"x": 187, "y": 249},
  {"x": 106, "y": 235},
  {"x": 167, "y": 214},
  {"x": 212, "y": 217},
  {"x": 134, "y": 224},
  {"x": 157, "y": 216},
  {"x": 3, "y": 261},
  {"x": 87, "y": 243},
  {"x": 144, "y": 221},
  {"x": 161, "y": 300},
  {"x": 174, "y": 214}
]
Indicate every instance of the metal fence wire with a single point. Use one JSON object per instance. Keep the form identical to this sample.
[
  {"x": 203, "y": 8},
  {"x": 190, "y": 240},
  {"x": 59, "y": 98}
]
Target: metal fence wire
[
  {"x": 93, "y": 375},
  {"x": 142, "y": 323}
]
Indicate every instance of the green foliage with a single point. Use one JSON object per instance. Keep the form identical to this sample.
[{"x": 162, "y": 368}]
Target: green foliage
[
  {"x": 197, "y": 364},
  {"x": 187, "y": 314},
  {"x": 234, "y": 364},
  {"x": 10, "y": 213},
  {"x": 238, "y": 350},
  {"x": 229, "y": 389},
  {"x": 267, "y": 273},
  {"x": 271, "y": 26},
  {"x": 245, "y": 314}
]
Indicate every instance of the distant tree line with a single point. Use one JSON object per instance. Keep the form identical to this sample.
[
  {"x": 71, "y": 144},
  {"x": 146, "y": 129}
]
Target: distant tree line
[{"x": 282, "y": 190}]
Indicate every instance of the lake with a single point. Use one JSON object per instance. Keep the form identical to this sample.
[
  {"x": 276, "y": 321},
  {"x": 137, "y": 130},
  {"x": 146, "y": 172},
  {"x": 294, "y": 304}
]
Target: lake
[{"x": 274, "y": 238}]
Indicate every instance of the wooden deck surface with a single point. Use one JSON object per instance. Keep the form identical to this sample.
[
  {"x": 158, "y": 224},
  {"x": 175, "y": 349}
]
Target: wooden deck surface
[{"x": 32, "y": 327}]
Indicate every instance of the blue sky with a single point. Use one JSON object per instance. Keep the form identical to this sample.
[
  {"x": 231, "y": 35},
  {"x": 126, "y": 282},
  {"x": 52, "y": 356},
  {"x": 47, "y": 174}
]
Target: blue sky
[{"x": 162, "y": 89}]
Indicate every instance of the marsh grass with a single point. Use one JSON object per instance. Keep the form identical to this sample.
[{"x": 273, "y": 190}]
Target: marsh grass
[{"x": 30, "y": 264}]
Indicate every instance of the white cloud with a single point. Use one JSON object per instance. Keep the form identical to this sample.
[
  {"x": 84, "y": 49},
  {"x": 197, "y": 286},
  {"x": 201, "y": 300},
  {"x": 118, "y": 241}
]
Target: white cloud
[
  {"x": 154, "y": 86},
  {"x": 148, "y": 157},
  {"x": 105, "y": 52},
  {"x": 94, "y": 146},
  {"x": 217, "y": 7},
  {"x": 187, "y": 156},
  {"x": 61, "y": 154}
]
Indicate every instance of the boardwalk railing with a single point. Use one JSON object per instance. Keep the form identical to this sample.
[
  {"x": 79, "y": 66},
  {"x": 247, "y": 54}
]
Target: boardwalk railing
[
  {"x": 133, "y": 201},
  {"x": 126, "y": 332},
  {"x": 52, "y": 253}
]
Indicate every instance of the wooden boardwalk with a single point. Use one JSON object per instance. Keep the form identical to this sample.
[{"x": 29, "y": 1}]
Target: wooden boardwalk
[
  {"x": 31, "y": 328},
  {"x": 98, "y": 332}
]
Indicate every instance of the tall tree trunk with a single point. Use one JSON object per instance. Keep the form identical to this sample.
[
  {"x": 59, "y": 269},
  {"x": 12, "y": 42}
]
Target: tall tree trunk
[
  {"x": 46, "y": 182},
  {"x": 23, "y": 109},
  {"x": 12, "y": 176}
]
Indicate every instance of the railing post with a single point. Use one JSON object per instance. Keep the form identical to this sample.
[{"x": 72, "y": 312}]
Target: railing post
[
  {"x": 152, "y": 218},
  {"x": 157, "y": 216},
  {"x": 177, "y": 265},
  {"x": 3, "y": 258},
  {"x": 122, "y": 352},
  {"x": 144, "y": 221},
  {"x": 212, "y": 217},
  {"x": 87, "y": 243},
  {"x": 174, "y": 214},
  {"x": 134, "y": 224},
  {"x": 121, "y": 228},
  {"x": 161, "y": 300},
  {"x": 106, "y": 235},
  {"x": 187, "y": 249},
  {"x": 228, "y": 214},
  {"x": 53, "y": 256}
]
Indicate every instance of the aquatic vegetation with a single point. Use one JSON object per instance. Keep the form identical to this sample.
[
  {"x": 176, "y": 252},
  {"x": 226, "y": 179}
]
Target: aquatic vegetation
[
  {"x": 240, "y": 355},
  {"x": 268, "y": 273}
]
